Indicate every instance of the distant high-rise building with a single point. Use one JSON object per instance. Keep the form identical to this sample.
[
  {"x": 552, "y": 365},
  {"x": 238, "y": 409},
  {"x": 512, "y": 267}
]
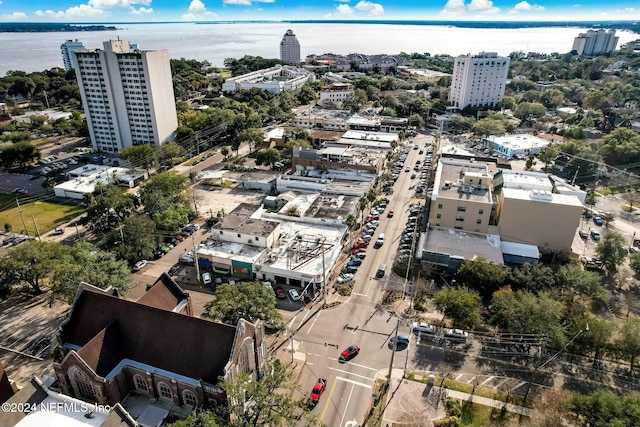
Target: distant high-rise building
[
  {"x": 478, "y": 81},
  {"x": 593, "y": 43},
  {"x": 67, "y": 49},
  {"x": 290, "y": 48},
  {"x": 127, "y": 95}
]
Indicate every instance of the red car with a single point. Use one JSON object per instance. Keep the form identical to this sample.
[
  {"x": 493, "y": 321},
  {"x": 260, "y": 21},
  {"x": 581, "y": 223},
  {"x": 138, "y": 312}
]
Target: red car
[
  {"x": 321, "y": 384},
  {"x": 350, "y": 352},
  {"x": 373, "y": 217},
  {"x": 280, "y": 293},
  {"x": 390, "y": 214},
  {"x": 583, "y": 234}
]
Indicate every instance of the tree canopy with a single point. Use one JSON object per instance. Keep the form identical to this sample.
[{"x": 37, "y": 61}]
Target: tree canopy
[
  {"x": 460, "y": 304},
  {"x": 612, "y": 251},
  {"x": 248, "y": 300},
  {"x": 481, "y": 275}
]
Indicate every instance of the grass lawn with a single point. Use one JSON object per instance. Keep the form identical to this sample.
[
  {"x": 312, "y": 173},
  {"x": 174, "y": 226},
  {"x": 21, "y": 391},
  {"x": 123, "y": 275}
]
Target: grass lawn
[{"x": 48, "y": 214}]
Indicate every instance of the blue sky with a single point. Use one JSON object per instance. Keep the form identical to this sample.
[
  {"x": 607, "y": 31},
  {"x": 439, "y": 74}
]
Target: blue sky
[{"x": 228, "y": 10}]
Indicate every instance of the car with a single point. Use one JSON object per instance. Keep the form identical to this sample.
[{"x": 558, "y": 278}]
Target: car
[
  {"x": 407, "y": 169},
  {"x": 206, "y": 278},
  {"x": 58, "y": 231},
  {"x": 583, "y": 234},
  {"x": 173, "y": 270},
  {"x": 317, "y": 390},
  {"x": 390, "y": 214},
  {"x": 372, "y": 217},
  {"x": 422, "y": 327},
  {"x": 350, "y": 352},
  {"x": 595, "y": 235},
  {"x": 413, "y": 175},
  {"x": 180, "y": 238},
  {"x": 140, "y": 265},
  {"x": 597, "y": 220},
  {"x": 295, "y": 295},
  {"x": 194, "y": 226},
  {"x": 456, "y": 334},
  {"x": 374, "y": 223},
  {"x": 634, "y": 249},
  {"x": 19, "y": 190},
  {"x": 345, "y": 278},
  {"x": 280, "y": 292},
  {"x": 354, "y": 263},
  {"x": 404, "y": 246},
  {"x": 401, "y": 342}
]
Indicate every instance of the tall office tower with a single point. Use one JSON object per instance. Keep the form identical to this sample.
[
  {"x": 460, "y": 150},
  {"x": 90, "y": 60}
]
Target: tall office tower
[
  {"x": 593, "y": 43},
  {"x": 67, "y": 49},
  {"x": 290, "y": 48},
  {"x": 127, "y": 95},
  {"x": 478, "y": 81}
]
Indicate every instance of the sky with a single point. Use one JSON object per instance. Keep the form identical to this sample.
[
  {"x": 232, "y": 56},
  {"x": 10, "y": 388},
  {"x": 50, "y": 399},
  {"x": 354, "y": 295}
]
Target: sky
[{"x": 277, "y": 10}]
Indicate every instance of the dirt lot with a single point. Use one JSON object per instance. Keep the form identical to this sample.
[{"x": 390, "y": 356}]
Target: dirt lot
[{"x": 211, "y": 200}]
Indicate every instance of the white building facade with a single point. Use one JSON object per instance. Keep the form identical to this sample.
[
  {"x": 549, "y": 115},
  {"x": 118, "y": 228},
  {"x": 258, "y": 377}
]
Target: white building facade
[
  {"x": 335, "y": 94},
  {"x": 274, "y": 80},
  {"x": 66, "y": 49},
  {"x": 127, "y": 95},
  {"x": 478, "y": 81},
  {"x": 593, "y": 43},
  {"x": 290, "y": 48}
]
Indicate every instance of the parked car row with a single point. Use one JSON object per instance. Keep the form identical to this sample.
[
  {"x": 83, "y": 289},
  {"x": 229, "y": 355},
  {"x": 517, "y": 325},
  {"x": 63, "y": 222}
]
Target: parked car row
[{"x": 420, "y": 328}]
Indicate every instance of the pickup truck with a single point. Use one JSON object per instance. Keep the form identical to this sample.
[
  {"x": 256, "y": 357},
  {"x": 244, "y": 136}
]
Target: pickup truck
[{"x": 321, "y": 384}]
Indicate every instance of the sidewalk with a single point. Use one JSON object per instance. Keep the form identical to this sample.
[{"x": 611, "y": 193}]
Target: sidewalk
[{"x": 407, "y": 398}]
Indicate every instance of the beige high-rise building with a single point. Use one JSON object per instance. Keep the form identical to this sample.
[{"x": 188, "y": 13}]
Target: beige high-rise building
[
  {"x": 478, "y": 81},
  {"x": 127, "y": 95},
  {"x": 290, "y": 48},
  {"x": 593, "y": 43}
]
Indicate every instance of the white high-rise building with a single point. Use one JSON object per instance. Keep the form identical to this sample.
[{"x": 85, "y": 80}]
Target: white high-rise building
[
  {"x": 593, "y": 43},
  {"x": 127, "y": 95},
  {"x": 290, "y": 48},
  {"x": 67, "y": 49},
  {"x": 478, "y": 81}
]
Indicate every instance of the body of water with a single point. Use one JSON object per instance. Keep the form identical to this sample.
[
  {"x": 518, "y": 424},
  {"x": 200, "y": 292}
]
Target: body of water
[{"x": 214, "y": 42}]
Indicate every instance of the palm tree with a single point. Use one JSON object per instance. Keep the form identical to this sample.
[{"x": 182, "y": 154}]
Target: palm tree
[
  {"x": 350, "y": 221},
  {"x": 371, "y": 195},
  {"x": 362, "y": 205}
]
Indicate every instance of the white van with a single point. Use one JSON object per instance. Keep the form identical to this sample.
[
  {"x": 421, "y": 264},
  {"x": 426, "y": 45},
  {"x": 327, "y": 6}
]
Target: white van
[
  {"x": 206, "y": 278},
  {"x": 380, "y": 240}
]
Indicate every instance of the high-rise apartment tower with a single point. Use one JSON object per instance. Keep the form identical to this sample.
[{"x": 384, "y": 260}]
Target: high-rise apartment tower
[
  {"x": 67, "y": 49},
  {"x": 478, "y": 81},
  {"x": 290, "y": 48},
  {"x": 127, "y": 95},
  {"x": 593, "y": 43}
]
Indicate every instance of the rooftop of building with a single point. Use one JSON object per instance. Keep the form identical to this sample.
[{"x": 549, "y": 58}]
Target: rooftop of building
[
  {"x": 463, "y": 180},
  {"x": 86, "y": 177},
  {"x": 240, "y": 220},
  {"x": 541, "y": 196},
  {"x": 261, "y": 176},
  {"x": 242, "y": 252},
  {"x": 519, "y": 141},
  {"x": 421, "y": 72},
  {"x": 463, "y": 244},
  {"x": 353, "y": 155},
  {"x": 322, "y": 206}
]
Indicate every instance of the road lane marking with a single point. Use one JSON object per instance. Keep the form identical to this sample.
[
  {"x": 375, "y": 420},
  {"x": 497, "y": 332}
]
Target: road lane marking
[
  {"x": 458, "y": 376},
  {"x": 314, "y": 322},
  {"x": 326, "y": 405},
  {"x": 351, "y": 373},
  {"x": 354, "y": 382},
  {"x": 517, "y": 386},
  {"x": 356, "y": 293},
  {"x": 344, "y": 414},
  {"x": 487, "y": 380},
  {"x": 497, "y": 386}
]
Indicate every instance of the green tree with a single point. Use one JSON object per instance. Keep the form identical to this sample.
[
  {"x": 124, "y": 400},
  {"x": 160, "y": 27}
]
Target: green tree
[
  {"x": 634, "y": 263},
  {"x": 75, "y": 264},
  {"x": 249, "y": 300},
  {"x": 251, "y": 136},
  {"x": 628, "y": 343},
  {"x": 531, "y": 277},
  {"x": 595, "y": 339},
  {"x": 486, "y": 127},
  {"x": 135, "y": 239},
  {"x": 29, "y": 263},
  {"x": 139, "y": 156},
  {"x": 582, "y": 282},
  {"x": 460, "y": 304},
  {"x": 529, "y": 110},
  {"x": 350, "y": 221},
  {"x": 612, "y": 251},
  {"x": 108, "y": 207},
  {"x": 624, "y": 144},
  {"x": 548, "y": 154},
  {"x": 200, "y": 418},
  {"x": 513, "y": 313},
  {"x": 162, "y": 190},
  {"x": 268, "y": 402},
  {"x": 481, "y": 275},
  {"x": 604, "y": 409},
  {"x": 267, "y": 156},
  {"x": 224, "y": 151},
  {"x": 363, "y": 203}
]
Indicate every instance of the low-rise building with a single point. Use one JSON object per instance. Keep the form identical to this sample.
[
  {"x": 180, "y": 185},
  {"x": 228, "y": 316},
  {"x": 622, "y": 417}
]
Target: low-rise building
[
  {"x": 516, "y": 145},
  {"x": 335, "y": 94},
  {"x": 277, "y": 79},
  {"x": 336, "y": 156},
  {"x": 85, "y": 178}
]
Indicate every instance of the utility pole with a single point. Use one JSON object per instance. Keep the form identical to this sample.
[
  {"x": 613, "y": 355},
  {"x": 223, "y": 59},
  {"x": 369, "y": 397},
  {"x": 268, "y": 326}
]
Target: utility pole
[
  {"x": 195, "y": 257},
  {"x": 24, "y": 224},
  {"x": 393, "y": 350},
  {"x": 324, "y": 275},
  {"x": 36, "y": 226}
]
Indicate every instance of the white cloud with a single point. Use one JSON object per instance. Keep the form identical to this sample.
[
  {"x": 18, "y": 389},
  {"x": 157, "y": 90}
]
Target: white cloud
[
  {"x": 374, "y": 9},
  {"x": 141, "y": 10},
  {"x": 483, "y": 6},
  {"x": 245, "y": 2},
  {"x": 453, "y": 8},
  {"x": 339, "y": 1},
  {"x": 525, "y": 6},
  {"x": 117, "y": 4},
  {"x": 197, "y": 11},
  {"x": 15, "y": 16},
  {"x": 344, "y": 10},
  {"x": 83, "y": 11},
  {"x": 50, "y": 14}
]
